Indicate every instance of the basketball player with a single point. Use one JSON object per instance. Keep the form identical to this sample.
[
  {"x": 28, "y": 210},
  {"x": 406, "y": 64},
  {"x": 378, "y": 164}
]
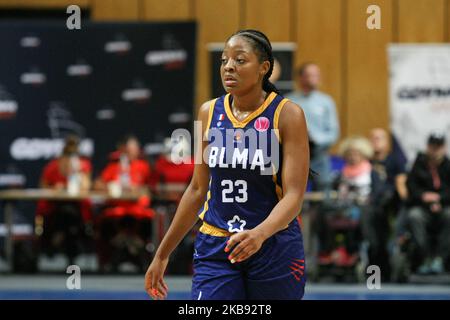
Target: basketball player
[{"x": 249, "y": 245}]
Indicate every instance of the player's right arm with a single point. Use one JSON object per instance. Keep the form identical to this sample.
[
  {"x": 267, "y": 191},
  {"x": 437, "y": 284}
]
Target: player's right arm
[{"x": 185, "y": 216}]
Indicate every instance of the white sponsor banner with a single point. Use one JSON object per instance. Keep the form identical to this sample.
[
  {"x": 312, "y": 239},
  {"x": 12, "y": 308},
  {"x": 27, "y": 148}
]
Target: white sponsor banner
[
  {"x": 44, "y": 149},
  {"x": 419, "y": 94},
  {"x": 167, "y": 56}
]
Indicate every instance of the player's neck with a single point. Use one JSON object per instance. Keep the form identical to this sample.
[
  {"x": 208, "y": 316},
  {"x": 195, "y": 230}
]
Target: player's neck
[{"x": 250, "y": 101}]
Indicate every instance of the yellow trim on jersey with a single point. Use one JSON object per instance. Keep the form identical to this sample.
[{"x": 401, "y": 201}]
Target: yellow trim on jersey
[
  {"x": 210, "y": 115},
  {"x": 276, "y": 118},
  {"x": 211, "y": 230},
  {"x": 278, "y": 188},
  {"x": 241, "y": 124},
  {"x": 206, "y": 205}
]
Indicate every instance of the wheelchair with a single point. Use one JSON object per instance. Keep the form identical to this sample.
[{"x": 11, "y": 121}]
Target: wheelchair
[{"x": 340, "y": 235}]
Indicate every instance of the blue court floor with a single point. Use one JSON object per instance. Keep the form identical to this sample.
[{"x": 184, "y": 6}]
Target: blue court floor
[{"x": 131, "y": 287}]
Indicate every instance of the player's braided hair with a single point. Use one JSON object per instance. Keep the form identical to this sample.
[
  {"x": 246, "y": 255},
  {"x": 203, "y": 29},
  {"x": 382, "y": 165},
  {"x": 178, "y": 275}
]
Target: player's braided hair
[{"x": 262, "y": 46}]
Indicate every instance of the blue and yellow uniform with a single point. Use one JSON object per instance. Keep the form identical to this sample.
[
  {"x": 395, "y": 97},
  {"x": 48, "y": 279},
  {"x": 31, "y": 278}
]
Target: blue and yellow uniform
[{"x": 245, "y": 163}]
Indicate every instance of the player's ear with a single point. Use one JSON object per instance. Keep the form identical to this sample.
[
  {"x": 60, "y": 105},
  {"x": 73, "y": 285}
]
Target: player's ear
[{"x": 264, "y": 68}]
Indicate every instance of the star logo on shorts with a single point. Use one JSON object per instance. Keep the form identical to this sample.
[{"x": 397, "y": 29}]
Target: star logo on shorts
[{"x": 236, "y": 224}]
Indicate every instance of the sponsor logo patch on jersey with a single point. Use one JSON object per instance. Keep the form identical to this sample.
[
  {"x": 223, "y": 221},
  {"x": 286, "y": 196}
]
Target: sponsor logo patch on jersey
[{"x": 262, "y": 124}]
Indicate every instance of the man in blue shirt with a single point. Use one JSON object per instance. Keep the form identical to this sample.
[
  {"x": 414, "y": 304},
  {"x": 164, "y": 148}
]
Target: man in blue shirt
[{"x": 322, "y": 121}]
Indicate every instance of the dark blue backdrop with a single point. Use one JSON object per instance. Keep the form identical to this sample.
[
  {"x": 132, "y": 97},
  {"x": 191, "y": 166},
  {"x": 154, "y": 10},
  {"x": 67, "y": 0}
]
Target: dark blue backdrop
[{"x": 101, "y": 82}]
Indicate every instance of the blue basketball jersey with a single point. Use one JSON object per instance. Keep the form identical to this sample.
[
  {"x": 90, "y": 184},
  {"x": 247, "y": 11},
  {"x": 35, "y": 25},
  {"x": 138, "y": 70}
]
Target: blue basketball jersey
[{"x": 245, "y": 163}]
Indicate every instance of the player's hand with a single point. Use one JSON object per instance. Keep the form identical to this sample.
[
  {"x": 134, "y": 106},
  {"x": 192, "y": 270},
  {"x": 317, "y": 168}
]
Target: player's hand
[
  {"x": 154, "y": 282},
  {"x": 245, "y": 243}
]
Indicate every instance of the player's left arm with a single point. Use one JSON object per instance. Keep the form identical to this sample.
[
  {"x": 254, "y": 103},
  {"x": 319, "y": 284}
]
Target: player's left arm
[{"x": 294, "y": 137}]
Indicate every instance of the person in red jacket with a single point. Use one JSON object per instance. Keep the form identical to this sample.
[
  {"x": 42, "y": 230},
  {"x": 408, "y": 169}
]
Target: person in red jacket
[
  {"x": 64, "y": 222},
  {"x": 170, "y": 172},
  {"x": 124, "y": 226},
  {"x": 172, "y": 178}
]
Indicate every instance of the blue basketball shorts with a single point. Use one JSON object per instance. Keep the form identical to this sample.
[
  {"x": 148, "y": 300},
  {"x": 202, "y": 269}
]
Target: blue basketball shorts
[{"x": 275, "y": 272}]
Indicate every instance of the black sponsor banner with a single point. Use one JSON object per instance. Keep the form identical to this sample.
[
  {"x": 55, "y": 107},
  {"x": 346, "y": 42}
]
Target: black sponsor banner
[{"x": 100, "y": 82}]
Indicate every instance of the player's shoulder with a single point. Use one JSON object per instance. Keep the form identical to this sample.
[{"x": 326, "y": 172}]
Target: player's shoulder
[
  {"x": 292, "y": 117},
  {"x": 291, "y": 110},
  {"x": 206, "y": 106}
]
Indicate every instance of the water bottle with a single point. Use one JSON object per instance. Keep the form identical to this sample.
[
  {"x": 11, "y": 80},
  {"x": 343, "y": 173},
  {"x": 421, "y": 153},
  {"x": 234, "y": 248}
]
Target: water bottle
[
  {"x": 74, "y": 179},
  {"x": 124, "y": 172}
]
